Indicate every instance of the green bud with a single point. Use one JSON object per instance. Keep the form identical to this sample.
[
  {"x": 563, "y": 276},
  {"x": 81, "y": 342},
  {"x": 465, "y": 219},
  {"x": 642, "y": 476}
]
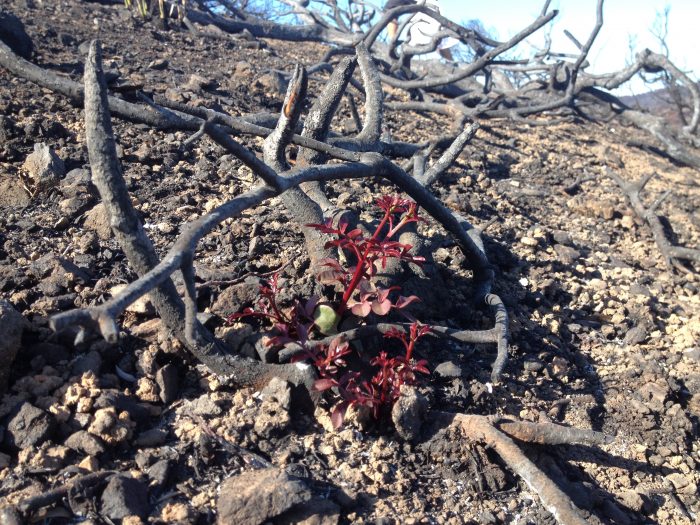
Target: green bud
[{"x": 326, "y": 319}]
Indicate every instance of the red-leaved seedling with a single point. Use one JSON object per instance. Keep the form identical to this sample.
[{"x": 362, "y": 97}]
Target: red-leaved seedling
[
  {"x": 291, "y": 324},
  {"x": 360, "y": 297},
  {"x": 384, "y": 388},
  {"x": 368, "y": 251}
]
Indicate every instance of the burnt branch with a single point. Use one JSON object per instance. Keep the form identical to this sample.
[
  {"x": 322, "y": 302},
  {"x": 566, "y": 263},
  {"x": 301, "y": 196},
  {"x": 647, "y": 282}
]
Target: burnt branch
[
  {"x": 368, "y": 137},
  {"x": 581, "y": 60},
  {"x": 300, "y": 207},
  {"x": 670, "y": 252},
  {"x": 108, "y": 178},
  {"x": 130, "y": 234},
  {"x": 496, "y": 433},
  {"x": 475, "y": 66},
  {"x": 317, "y": 125},
  {"x": 550, "y": 433},
  {"x": 448, "y": 157},
  {"x": 55, "y": 495}
]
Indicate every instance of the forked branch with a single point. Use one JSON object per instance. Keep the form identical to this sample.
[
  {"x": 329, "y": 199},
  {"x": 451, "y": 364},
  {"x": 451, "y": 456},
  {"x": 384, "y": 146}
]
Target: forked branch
[
  {"x": 497, "y": 433},
  {"x": 671, "y": 253}
]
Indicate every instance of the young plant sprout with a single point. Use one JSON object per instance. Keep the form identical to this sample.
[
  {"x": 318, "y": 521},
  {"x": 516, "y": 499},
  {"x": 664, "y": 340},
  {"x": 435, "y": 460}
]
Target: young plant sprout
[{"x": 360, "y": 298}]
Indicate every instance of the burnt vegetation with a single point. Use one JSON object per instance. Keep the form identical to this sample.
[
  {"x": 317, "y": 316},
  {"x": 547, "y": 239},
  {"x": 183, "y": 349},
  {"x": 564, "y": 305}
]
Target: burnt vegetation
[{"x": 273, "y": 299}]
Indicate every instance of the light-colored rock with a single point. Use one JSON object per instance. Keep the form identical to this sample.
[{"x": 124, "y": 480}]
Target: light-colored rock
[
  {"x": 44, "y": 167},
  {"x": 258, "y": 496},
  {"x": 142, "y": 305},
  {"x": 96, "y": 219},
  {"x": 409, "y": 412}
]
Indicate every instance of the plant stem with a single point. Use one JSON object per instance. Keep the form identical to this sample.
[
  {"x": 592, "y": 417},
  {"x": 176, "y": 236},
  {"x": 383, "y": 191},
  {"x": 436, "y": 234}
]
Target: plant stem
[
  {"x": 409, "y": 349},
  {"x": 360, "y": 268}
]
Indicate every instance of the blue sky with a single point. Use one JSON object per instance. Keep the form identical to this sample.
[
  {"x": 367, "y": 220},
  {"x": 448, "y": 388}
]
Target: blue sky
[{"x": 622, "y": 19}]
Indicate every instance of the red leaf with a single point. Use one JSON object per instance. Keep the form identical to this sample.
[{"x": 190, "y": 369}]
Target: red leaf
[
  {"x": 421, "y": 366},
  {"x": 325, "y": 384},
  {"x": 338, "y": 414},
  {"x": 361, "y": 309},
  {"x": 330, "y": 277},
  {"x": 381, "y": 307},
  {"x": 354, "y": 234},
  {"x": 395, "y": 333},
  {"x": 403, "y": 302}
]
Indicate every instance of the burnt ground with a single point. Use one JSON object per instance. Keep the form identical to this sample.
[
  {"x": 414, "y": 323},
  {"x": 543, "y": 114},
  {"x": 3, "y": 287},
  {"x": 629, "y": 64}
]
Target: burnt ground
[{"x": 602, "y": 334}]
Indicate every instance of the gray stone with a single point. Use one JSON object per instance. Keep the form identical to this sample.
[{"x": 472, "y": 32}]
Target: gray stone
[
  {"x": 409, "y": 412},
  {"x": 13, "y": 34},
  {"x": 234, "y": 298},
  {"x": 158, "y": 64},
  {"x": 561, "y": 237},
  {"x": 76, "y": 176},
  {"x": 90, "y": 362},
  {"x": 205, "y": 406},
  {"x": 72, "y": 207},
  {"x": 44, "y": 167},
  {"x": 96, "y": 219},
  {"x": 159, "y": 472},
  {"x": 83, "y": 441},
  {"x": 257, "y": 496},
  {"x": 273, "y": 417},
  {"x": 12, "y": 325},
  {"x": 199, "y": 83},
  {"x": 124, "y": 497},
  {"x": 631, "y": 499},
  {"x": 636, "y": 335},
  {"x": 566, "y": 254},
  {"x": 532, "y": 364},
  {"x": 278, "y": 391},
  {"x": 12, "y": 194},
  {"x": 318, "y": 511},
  {"x": 29, "y": 427},
  {"x": 448, "y": 369},
  {"x": 273, "y": 82},
  {"x": 168, "y": 382},
  {"x": 151, "y": 438}
]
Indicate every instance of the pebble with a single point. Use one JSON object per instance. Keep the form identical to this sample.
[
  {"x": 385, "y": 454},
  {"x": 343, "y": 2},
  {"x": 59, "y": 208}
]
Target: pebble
[
  {"x": 448, "y": 369},
  {"x": 168, "y": 381},
  {"x": 258, "y": 496},
  {"x": 158, "y": 64},
  {"x": 29, "y": 426},
  {"x": 124, "y": 496},
  {"x": 82, "y": 441},
  {"x": 44, "y": 167},
  {"x": 636, "y": 335},
  {"x": 532, "y": 364}
]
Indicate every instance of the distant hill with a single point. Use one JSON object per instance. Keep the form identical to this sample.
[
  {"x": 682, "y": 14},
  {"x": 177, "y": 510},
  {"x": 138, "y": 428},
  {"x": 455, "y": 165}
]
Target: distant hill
[{"x": 660, "y": 102}]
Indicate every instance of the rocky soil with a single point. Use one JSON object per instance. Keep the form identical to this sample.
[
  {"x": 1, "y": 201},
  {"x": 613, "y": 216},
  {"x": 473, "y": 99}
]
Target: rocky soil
[{"x": 603, "y": 335}]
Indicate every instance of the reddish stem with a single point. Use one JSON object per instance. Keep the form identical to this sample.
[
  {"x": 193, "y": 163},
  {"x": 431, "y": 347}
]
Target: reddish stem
[
  {"x": 280, "y": 316},
  {"x": 409, "y": 348},
  {"x": 360, "y": 270}
]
